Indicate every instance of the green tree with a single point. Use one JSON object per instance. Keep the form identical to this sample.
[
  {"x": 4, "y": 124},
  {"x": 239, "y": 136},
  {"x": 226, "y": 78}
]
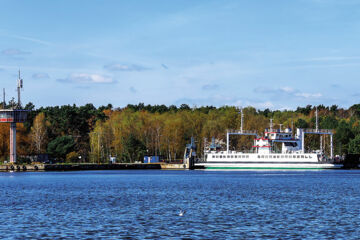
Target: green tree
[
  {"x": 61, "y": 146},
  {"x": 301, "y": 123},
  {"x": 328, "y": 122},
  {"x": 354, "y": 145},
  {"x": 343, "y": 135},
  {"x": 134, "y": 148}
]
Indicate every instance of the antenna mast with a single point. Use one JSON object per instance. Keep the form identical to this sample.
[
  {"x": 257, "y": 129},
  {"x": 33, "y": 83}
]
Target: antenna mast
[
  {"x": 4, "y": 103},
  {"x": 19, "y": 87},
  {"x": 317, "y": 120},
  {"x": 242, "y": 120}
]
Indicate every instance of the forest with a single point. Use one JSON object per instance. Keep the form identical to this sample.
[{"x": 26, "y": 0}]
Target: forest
[{"x": 73, "y": 133}]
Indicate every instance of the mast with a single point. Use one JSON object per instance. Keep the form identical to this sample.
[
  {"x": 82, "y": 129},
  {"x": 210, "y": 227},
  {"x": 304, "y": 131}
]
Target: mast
[
  {"x": 242, "y": 120},
  {"x": 19, "y": 87},
  {"x": 317, "y": 120},
  {"x": 4, "y": 103},
  {"x": 271, "y": 124}
]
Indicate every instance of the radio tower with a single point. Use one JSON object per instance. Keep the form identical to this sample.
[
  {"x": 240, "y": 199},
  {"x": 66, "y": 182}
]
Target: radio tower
[
  {"x": 13, "y": 116},
  {"x": 19, "y": 87}
]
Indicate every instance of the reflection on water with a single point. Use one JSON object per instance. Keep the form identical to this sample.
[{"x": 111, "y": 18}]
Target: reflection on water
[{"x": 146, "y": 204}]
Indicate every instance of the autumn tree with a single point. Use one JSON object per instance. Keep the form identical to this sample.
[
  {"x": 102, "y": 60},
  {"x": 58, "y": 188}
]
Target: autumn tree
[{"x": 39, "y": 133}]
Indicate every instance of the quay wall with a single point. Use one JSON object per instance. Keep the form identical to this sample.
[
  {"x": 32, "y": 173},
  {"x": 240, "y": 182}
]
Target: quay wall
[{"x": 90, "y": 166}]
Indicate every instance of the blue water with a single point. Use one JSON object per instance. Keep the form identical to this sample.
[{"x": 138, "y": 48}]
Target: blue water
[{"x": 145, "y": 205}]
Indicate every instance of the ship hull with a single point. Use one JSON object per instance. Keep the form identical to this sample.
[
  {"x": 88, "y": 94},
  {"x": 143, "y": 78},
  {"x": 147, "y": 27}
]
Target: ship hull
[{"x": 268, "y": 166}]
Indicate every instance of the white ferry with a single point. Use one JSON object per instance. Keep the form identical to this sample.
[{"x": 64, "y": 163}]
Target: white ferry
[{"x": 291, "y": 156}]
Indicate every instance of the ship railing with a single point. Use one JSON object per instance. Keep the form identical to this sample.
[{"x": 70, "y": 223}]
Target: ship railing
[
  {"x": 237, "y": 131},
  {"x": 231, "y": 151},
  {"x": 318, "y": 131}
]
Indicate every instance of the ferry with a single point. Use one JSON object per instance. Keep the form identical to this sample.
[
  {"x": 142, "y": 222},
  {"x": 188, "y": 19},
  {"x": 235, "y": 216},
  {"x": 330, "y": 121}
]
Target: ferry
[
  {"x": 291, "y": 156},
  {"x": 266, "y": 155}
]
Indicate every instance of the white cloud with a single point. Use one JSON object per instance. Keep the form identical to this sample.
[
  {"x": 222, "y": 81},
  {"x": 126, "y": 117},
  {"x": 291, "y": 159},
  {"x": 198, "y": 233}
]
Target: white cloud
[
  {"x": 308, "y": 95},
  {"x": 125, "y": 67},
  {"x": 287, "y": 89},
  {"x": 87, "y": 78},
  {"x": 30, "y": 39},
  {"x": 210, "y": 87},
  {"x": 287, "y": 92},
  {"x": 332, "y": 58},
  {"x": 13, "y": 52},
  {"x": 40, "y": 76}
]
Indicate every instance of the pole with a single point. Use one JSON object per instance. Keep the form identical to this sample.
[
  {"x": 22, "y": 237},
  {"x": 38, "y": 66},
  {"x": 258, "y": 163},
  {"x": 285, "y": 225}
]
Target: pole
[
  {"x": 227, "y": 141},
  {"x": 331, "y": 147},
  {"x": 19, "y": 87},
  {"x": 302, "y": 141},
  {"x": 321, "y": 143},
  {"x": 317, "y": 120},
  {"x": 242, "y": 121},
  {"x": 4, "y": 101},
  {"x": 13, "y": 142}
]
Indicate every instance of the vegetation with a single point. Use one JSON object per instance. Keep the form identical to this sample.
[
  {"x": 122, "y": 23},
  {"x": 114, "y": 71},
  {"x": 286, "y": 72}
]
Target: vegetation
[{"x": 90, "y": 134}]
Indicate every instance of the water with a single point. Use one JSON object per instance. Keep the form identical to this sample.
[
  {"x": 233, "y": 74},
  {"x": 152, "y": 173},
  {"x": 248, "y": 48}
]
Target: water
[{"x": 146, "y": 205}]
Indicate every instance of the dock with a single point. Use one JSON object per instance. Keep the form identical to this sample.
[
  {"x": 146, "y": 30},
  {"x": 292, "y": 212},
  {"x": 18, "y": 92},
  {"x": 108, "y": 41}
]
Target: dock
[{"x": 89, "y": 166}]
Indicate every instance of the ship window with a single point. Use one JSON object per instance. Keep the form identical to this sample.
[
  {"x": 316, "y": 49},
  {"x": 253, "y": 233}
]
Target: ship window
[
  {"x": 266, "y": 156},
  {"x": 228, "y": 156},
  {"x": 298, "y": 156},
  {"x": 290, "y": 144},
  {"x": 302, "y": 156},
  {"x": 262, "y": 156},
  {"x": 258, "y": 156},
  {"x": 282, "y": 156},
  {"x": 247, "y": 156},
  {"x": 220, "y": 156},
  {"x": 310, "y": 156}
]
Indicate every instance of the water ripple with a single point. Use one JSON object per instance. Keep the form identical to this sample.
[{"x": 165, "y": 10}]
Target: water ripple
[{"x": 146, "y": 205}]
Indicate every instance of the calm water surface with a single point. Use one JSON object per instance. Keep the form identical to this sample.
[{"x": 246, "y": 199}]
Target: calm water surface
[{"x": 145, "y": 205}]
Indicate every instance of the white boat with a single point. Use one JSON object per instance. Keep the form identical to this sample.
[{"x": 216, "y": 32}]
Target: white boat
[{"x": 264, "y": 156}]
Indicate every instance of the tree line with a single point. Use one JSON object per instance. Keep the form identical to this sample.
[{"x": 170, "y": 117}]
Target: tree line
[{"x": 73, "y": 133}]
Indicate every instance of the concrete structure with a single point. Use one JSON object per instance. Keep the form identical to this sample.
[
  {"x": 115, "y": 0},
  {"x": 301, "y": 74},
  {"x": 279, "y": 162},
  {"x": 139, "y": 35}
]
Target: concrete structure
[{"x": 13, "y": 116}]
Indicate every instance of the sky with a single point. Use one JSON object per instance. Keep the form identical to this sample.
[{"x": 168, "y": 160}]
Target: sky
[{"x": 277, "y": 54}]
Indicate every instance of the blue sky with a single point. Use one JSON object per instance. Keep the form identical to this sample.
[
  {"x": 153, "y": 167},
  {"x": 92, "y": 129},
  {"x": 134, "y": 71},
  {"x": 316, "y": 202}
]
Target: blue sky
[{"x": 278, "y": 54}]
